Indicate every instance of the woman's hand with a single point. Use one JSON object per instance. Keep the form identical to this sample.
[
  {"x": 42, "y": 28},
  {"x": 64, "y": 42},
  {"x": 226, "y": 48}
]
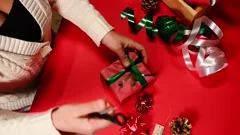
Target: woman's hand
[
  {"x": 118, "y": 43},
  {"x": 70, "y": 118}
]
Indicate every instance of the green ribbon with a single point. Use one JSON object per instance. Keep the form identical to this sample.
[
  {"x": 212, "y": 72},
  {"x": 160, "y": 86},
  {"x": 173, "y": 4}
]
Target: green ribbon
[
  {"x": 172, "y": 31},
  {"x": 134, "y": 71},
  {"x": 168, "y": 28},
  {"x": 147, "y": 22}
]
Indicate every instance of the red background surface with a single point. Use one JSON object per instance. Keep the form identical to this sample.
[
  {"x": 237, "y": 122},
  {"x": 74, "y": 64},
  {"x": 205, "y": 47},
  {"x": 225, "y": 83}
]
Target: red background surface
[{"x": 72, "y": 73}]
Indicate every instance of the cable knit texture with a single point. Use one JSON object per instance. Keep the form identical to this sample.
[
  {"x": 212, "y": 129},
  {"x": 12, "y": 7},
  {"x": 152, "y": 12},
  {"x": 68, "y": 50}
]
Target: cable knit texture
[
  {"x": 82, "y": 14},
  {"x": 22, "y": 61},
  {"x": 12, "y": 123}
]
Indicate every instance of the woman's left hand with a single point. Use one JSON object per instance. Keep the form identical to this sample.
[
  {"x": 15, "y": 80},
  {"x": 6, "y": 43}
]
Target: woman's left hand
[{"x": 118, "y": 43}]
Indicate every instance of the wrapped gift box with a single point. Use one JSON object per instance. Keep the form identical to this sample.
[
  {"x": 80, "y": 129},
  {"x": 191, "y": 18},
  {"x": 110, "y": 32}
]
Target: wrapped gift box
[{"x": 125, "y": 82}]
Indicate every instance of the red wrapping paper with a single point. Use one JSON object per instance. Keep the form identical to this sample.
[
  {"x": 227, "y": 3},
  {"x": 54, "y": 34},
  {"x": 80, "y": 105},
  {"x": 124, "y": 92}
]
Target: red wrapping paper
[
  {"x": 128, "y": 88},
  {"x": 203, "y": 2}
]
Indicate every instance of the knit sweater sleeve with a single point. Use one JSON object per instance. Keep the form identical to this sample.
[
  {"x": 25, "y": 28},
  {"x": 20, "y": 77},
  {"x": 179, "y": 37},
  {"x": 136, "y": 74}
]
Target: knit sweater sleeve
[
  {"x": 12, "y": 123},
  {"x": 85, "y": 16}
]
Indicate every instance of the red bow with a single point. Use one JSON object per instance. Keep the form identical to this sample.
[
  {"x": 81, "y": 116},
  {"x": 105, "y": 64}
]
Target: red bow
[{"x": 144, "y": 103}]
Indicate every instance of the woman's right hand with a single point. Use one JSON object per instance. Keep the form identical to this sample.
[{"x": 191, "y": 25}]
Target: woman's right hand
[{"x": 70, "y": 118}]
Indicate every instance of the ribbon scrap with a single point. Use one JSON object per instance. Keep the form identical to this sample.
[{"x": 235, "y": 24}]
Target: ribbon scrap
[
  {"x": 138, "y": 76},
  {"x": 135, "y": 126}
]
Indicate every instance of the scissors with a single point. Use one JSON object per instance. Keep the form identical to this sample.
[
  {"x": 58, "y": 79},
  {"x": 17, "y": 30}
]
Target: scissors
[{"x": 117, "y": 118}]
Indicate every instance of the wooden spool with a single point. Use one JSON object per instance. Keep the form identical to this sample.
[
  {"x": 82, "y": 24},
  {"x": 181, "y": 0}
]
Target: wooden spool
[{"x": 185, "y": 11}]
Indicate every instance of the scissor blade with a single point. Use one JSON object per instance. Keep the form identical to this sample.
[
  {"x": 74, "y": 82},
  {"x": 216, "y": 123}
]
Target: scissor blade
[{"x": 108, "y": 111}]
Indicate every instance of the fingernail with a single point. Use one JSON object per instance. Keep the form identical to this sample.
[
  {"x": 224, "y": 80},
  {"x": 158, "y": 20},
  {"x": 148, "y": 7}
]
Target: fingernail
[
  {"x": 102, "y": 104},
  {"x": 108, "y": 104},
  {"x": 126, "y": 63}
]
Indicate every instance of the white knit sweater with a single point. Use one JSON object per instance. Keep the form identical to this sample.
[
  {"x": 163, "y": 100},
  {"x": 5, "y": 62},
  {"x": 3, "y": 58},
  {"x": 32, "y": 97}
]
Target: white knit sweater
[{"x": 22, "y": 61}]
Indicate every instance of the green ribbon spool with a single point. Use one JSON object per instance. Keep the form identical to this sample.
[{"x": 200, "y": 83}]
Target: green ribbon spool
[
  {"x": 134, "y": 71},
  {"x": 172, "y": 31},
  {"x": 168, "y": 28}
]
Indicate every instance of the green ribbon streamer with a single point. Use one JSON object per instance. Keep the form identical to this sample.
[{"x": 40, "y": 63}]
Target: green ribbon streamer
[
  {"x": 168, "y": 28},
  {"x": 147, "y": 22},
  {"x": 134, "y": 71}
]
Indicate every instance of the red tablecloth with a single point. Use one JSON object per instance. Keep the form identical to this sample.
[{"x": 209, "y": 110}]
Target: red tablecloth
[{"x": 72, "y": 73}]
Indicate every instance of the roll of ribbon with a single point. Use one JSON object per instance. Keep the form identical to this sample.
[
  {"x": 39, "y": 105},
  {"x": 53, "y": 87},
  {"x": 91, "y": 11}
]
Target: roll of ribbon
[
  {"x": 203, "y": 2},
  {"x": 167, "y": 27},
  {"x": 210, "y": 59}
]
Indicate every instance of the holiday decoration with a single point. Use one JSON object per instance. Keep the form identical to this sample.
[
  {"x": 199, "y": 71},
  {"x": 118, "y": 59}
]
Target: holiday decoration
[
  {"x": 180, "y": 126},
  {"x": 184, "y": 11},
  {"x": 172, "y": 31},
  {"x": 135, "y": 126},
  {"x": 150, "y": 5},
  {"x": 125, "y": 82},
  {"x": 210, "y": 59},
  {"x": 144, "y": 103},
  {"x": 152, "y": 29},
  {"x": 147, "y": 21}
]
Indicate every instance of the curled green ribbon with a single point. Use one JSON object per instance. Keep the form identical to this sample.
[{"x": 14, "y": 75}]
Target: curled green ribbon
[
  {"x": 134, "y": 71},
  {"x": 168, "y": 28},
  {"x": 147, "y": 22}
]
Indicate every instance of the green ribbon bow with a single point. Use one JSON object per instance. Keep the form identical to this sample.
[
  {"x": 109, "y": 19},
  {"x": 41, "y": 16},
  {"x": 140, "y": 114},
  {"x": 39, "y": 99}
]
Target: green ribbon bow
[
  {"x": 168, "y": 28},
  {"x": 134, "y": 71}
]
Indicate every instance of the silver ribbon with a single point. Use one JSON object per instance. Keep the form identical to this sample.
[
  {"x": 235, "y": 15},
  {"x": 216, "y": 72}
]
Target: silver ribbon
[{"x": 210, "y": 59}]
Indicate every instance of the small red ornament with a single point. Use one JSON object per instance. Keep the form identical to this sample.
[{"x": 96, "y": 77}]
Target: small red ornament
[
  {"x": 144, "y": 103},
  {"x": 135, "y": 126}
]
